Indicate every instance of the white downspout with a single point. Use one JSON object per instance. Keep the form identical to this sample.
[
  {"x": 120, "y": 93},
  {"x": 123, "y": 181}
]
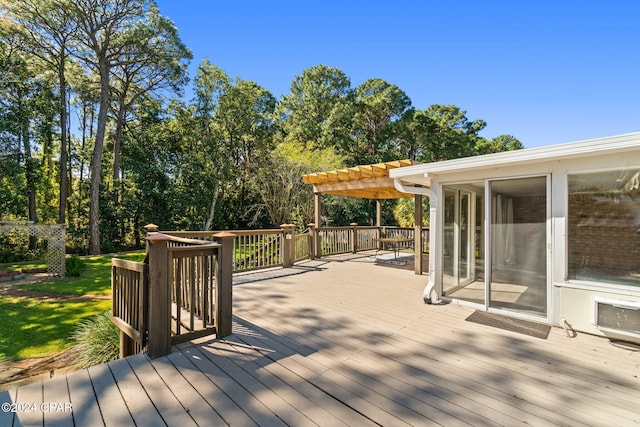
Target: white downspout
[{"x": 433, "y": 201}]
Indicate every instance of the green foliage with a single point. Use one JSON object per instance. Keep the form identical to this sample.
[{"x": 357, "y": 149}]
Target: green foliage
[
  {"x": 97, "y": 340},
  {"x": 313, "y": 96},
  {"x": 17, "y": 247},
  {"x": 404, "y": 212},
  {"x": 74, "y": 266},
  {"x": 231, "y": 157},
  {"x": 285, "y": 197},
  {"x": 35, "y": 328},
  {"x": 499, "y": 144}
]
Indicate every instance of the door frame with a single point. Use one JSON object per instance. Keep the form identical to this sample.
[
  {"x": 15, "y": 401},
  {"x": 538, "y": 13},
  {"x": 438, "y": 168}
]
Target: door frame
[{"x": 548, "y": 247}]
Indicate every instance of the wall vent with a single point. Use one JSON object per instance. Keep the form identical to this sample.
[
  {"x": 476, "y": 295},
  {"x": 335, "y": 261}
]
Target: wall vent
[{"x": 618, "y": 316}]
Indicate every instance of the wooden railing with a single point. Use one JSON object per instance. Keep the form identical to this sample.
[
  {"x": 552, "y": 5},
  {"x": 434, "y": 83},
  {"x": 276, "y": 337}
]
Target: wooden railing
[
  {"x": 182, "y": 291},
  {"x": 192, "y": 285},
  {"x": 367, "y": 238},
  {"x": 256, "y": 249},
  {"x": 335, "y": 240},
  {"x": 339, "y": 240},
  {"x": 407, "y": 232},
  {"x": 129, "y": 311},
  {"x": 301, "y": 246},
  {"x": 253, "y": 249}
]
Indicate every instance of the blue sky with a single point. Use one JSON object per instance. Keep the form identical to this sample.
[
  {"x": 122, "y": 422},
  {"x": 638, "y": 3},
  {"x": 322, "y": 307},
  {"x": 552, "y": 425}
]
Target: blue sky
[{"x": 544, "y": 71}]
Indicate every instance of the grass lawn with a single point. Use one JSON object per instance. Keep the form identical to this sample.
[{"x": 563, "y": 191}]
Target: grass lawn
[
  {"x": 32, "y": 328},
  {"x": 21, "y": 265},
  {"x": 95, "y": 278}
]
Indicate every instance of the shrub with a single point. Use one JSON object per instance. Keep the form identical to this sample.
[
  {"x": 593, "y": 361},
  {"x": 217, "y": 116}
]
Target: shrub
[
  {"x": 73, "y": 266},
  {"x": 97, "y": 340}
]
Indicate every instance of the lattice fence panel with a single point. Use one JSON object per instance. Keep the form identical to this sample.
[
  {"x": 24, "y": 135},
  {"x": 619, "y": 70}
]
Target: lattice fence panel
[{"x": 55, "y": 235}]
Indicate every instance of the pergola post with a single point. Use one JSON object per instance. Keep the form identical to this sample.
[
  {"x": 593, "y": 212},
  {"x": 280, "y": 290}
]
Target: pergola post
[
  {"x": 354, "y": 237},
  {"x": 379, "y": 222},
  {"x": 317, "y": 198},
  {"x": 417, "y": 234}
]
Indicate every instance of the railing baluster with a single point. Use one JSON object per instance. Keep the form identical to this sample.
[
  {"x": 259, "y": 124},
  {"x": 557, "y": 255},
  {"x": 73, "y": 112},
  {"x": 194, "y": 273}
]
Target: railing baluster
[
  {"x": 178, "y": 287},
  {"x": 192, "y": 289}
]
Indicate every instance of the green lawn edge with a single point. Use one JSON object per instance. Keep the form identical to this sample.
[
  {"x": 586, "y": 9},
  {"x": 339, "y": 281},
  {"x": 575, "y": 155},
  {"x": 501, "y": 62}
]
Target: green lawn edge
[{"x": 94, "y": 280}]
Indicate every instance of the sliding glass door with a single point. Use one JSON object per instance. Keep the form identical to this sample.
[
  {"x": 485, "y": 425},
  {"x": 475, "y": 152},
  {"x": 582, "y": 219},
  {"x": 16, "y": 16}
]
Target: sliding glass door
[
  {"x": 518, "y": 241},
  {"x": 462, "y": 243},
  {"x": 504, "y": 221}
]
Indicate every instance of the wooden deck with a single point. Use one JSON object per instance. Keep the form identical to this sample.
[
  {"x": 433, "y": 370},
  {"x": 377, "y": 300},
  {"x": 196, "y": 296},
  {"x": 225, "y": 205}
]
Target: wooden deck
[{"x": 347, "y": 342}]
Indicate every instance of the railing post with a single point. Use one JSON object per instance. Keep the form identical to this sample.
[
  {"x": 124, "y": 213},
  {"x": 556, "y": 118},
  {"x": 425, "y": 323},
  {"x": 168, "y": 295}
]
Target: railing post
[
  {"x": 127, "y": 345},
  {"x": 381, "y": 233},
  {"x": 312, "y": 240},
  {"x": 287, "y": 246},
  {"x": 224, "y": 284},
  {"x": 354, "y": 237},
  {"x": 159, "y": 295},
  {"x": 148, "y": 229}
]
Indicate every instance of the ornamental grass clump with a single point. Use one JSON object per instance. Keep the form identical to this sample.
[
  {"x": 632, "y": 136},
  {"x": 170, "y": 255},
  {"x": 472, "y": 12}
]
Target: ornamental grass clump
[
  {"x": 73, "y": 266},
  {"x": 97, "y": 340}
]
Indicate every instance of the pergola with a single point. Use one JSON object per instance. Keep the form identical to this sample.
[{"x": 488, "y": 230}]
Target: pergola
[{"x": 367, "y": 182}]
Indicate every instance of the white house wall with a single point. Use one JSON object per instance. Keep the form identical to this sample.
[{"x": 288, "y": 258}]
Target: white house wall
[{"x": 571, "y": 301}]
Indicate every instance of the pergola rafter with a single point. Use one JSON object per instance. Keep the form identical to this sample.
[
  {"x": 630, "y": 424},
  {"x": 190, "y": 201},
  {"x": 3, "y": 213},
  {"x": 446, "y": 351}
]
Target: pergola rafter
[{"x": 364, "y": 181}]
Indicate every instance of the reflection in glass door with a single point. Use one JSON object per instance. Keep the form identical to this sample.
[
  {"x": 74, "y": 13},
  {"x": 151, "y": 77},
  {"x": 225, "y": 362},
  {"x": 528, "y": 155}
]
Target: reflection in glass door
[
  {"x": 458, "y": 239},
  {"x": 518, "y": 279}
]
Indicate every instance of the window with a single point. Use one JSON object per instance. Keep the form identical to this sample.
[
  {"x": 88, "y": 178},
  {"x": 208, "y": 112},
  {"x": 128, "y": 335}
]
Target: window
[{"x": 604, "y": 227}]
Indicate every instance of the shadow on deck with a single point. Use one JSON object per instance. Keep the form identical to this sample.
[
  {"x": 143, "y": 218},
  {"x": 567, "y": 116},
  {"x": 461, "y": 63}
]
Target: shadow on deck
[{"x": 348, "y": 343}]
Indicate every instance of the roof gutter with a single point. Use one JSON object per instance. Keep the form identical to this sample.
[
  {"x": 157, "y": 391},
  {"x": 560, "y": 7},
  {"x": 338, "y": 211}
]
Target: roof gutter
[
  {"x": 423, "y": 191},
  {"x": 433, "y": 201}
]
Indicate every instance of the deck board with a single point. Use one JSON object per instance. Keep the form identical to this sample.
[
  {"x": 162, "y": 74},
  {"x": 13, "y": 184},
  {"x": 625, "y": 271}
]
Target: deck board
[
  {"x": 169, "y": 408},
  {"x": 57, "y": 409},
  {"x": 86, "y": 411},
  {"x": 138, "y": 403},
  {"x": 7, "y": 397},
  {"x": 113, "y": 407},
  {"x": 188, "y": 386},
  {"x": 343, "y": 341},
  {"x": 294, "y": 390},
  {"x": 28, "y": 400}
]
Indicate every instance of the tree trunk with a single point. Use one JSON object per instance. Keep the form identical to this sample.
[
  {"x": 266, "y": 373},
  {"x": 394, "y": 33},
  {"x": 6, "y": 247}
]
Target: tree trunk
[
  {"x": 117, "y": 183},
  {"x": 62, "y": 203},
  {"x": 96, "y": 161},
  {"x": 212, "y": 209},
  {"x": 117, "y": 142},
  {"x": 29, "y": 170}
]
